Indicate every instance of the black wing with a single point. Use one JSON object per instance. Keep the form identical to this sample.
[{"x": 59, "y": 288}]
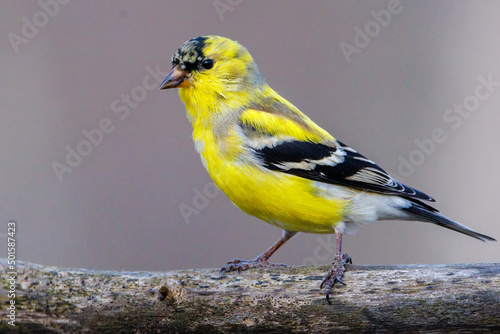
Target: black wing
[{"x": 334, "y": 164}]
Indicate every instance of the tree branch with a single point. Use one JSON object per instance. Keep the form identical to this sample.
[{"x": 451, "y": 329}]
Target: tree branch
[{"x": 443, "y": 298}]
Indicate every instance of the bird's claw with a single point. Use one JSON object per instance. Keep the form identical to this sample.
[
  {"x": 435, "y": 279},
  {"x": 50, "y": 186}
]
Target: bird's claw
[
  {"x": 240, "y": 265},
  {"x": 335, "y": 274}
]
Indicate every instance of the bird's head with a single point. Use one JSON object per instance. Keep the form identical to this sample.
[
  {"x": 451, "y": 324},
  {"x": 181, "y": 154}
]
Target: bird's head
[{"x": 212, "y": 67}]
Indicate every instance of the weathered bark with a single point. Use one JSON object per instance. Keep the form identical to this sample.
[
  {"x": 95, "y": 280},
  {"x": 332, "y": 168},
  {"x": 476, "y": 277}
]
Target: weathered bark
[{"x": 431, "y": 298}]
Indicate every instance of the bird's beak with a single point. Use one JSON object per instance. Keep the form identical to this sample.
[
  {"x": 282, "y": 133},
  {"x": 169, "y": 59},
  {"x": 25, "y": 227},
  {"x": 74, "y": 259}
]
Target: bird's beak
[{"x": 176, "y": 78}]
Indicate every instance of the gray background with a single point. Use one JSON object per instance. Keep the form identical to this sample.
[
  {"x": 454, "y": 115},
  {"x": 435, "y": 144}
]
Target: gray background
[{"x": 119, "y": 208}]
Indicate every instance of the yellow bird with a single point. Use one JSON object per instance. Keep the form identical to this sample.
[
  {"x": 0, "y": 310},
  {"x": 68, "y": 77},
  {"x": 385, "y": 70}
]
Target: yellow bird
[{"x": 276, "y": 164}]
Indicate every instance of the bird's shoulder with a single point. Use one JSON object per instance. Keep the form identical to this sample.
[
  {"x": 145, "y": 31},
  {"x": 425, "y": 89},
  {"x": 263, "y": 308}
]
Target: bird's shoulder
[{"x": 273, "y": 116}]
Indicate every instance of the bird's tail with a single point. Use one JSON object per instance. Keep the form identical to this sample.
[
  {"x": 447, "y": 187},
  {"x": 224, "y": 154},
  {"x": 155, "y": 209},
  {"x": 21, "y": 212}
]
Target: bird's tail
[{"x": 428, "y": 215}]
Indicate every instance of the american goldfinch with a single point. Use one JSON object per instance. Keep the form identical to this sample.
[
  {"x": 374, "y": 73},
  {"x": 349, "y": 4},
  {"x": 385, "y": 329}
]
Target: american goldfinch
[{"x": 276, "y": 164}]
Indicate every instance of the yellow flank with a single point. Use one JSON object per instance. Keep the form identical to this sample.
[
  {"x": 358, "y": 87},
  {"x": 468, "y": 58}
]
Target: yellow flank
[
  {"x": 286, "y": 201},
  {"x": 290, "y": 202},
  {"x": 219, "y": 101}
]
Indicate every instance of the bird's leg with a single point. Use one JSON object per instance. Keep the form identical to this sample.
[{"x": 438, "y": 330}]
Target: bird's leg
[
  {"x": 336, "y": 272},
  {"x": 261, "y": 260}
]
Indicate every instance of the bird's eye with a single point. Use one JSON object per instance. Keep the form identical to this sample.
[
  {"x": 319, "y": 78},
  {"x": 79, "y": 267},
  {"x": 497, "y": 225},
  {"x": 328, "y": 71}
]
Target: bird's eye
[
  {"x": 175, "y": 61},
  {"x": 207, "y": 63}
]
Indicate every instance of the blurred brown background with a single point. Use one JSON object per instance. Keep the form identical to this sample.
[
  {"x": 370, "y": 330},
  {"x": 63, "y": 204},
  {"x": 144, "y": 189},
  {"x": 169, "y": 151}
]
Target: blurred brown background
[{"x": 68, "y": 68}]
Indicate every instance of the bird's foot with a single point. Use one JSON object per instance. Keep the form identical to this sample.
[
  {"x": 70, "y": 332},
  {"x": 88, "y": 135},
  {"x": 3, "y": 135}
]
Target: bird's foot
[
  {"x": 240, "y": 265},
  {"x": 335, "y": 274}
]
